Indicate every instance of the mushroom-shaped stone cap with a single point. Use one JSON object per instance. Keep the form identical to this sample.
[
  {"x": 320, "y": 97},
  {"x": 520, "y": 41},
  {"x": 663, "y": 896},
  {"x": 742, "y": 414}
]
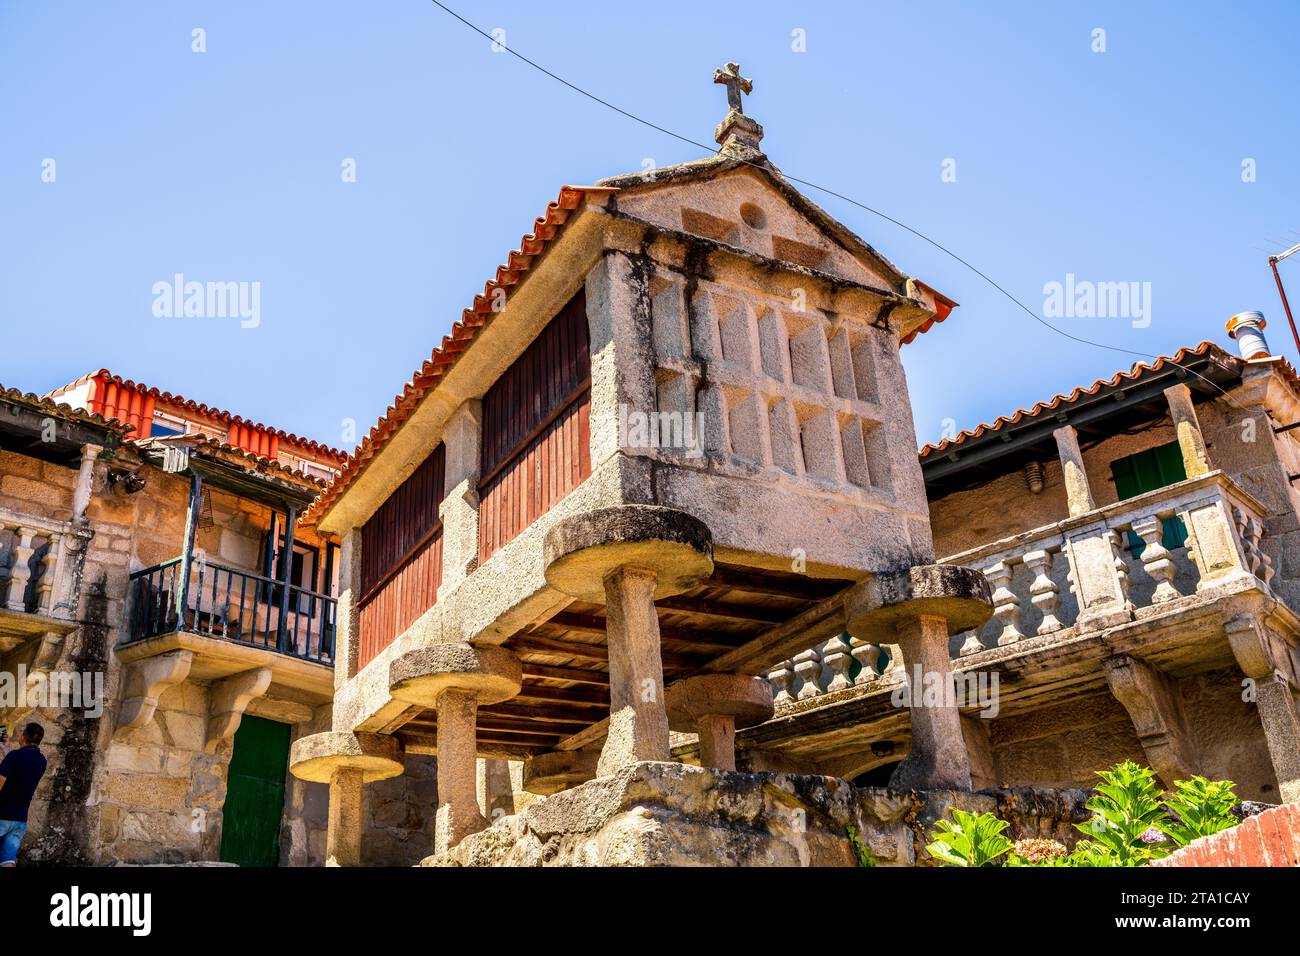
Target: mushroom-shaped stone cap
[
  {"x": 747, "y": 699},
  {"x": 581, "y": 550},
  {"x": 558, "y": 770},
  {"x": 492, "y": 674},
  {"x": 318, "y": 757},
  {"x": 961, "y": 596}
]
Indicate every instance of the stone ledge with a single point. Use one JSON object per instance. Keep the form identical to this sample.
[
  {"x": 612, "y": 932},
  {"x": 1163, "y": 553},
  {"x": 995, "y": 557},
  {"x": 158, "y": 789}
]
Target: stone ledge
[{"x": 670, "y": 814}]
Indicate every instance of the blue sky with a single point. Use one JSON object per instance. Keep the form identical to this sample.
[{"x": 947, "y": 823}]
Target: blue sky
[{"x": 1120, "y": 166}]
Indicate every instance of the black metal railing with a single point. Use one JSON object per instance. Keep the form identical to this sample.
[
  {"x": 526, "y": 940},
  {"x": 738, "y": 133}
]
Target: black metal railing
[{"x": 216, "y": 601}]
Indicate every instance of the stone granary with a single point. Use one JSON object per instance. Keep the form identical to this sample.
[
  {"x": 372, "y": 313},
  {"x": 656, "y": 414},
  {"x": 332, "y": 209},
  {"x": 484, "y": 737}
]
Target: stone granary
[{"x": 668, "y": 446}]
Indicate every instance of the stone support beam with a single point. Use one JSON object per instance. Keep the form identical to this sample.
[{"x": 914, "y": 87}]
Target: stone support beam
[
  {"x": 459, "y": 508},
  {"x": 714, "y": 706},
  {"x": 1258, "y": 654},
  {"x": 145, "y": 682},
  {"x": 345, "y": 761},
  {"x": 347, "y": 626},
  {"x": 919, "y": 609},
  {"x": 628, "y": 557},
  {"x": 1078, "y": 492},
  {"x": 1151, "y": 699},
  {"x": 1182, "y": 411},
  {"x": 454, "y": 680},
  {"x": 85, "y": 486},
  {"x": 229, "y": 698}
]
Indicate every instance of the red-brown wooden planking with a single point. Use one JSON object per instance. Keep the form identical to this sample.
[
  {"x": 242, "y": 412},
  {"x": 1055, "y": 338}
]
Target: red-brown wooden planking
[
  {"x": 401, "y": 558},
  {"x": 536, "y": 428}
]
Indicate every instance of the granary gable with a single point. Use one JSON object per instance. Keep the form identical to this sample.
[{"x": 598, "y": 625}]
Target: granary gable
[{"x": 734, "y": 207}]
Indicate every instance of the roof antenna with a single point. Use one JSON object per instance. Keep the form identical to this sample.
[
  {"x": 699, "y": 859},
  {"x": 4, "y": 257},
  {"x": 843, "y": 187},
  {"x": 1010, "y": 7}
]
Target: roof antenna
[{"x": 1273, "y": 261}]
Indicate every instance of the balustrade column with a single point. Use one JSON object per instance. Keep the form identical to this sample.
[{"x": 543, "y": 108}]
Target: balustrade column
[
  {"x": 1156, "y": 559},
  {"x": 808, "y": 667},
  {"x": 20, "y": 573},
  {"x": 1006, "y": 606},
  {"x": 1043, "y": 592},
  {"x": 782, "y": 678},
  {"x": 836, "y": 657}
]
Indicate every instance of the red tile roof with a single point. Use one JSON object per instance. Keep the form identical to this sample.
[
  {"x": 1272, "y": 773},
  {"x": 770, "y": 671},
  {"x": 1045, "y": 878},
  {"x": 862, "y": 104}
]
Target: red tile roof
[
  {"x": 47, "y": 404},
  {"x": 199, "y": 409},
  {"x": 546, "y": 228},
  {"x": 1119, "y": 378},
  {"x": 257, "y": 462},
  {"x": 943, "y": 307}
]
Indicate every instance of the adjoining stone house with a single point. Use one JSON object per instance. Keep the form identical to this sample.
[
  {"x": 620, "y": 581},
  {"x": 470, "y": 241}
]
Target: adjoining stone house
[
  {"x": 150, "y": 542},
  {"x": 1141, "y": 537}
]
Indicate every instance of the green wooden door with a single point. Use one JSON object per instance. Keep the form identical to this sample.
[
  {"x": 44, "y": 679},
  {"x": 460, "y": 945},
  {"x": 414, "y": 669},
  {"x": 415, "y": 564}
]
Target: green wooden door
[
  {"x": 1147, "y": 471},
  {"x": 250, "y": 827}
]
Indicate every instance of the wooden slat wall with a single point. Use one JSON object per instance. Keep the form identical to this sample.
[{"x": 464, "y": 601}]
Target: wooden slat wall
[
  {"x": 401, "y": 558},
  {"x": 536, "y": 429}
]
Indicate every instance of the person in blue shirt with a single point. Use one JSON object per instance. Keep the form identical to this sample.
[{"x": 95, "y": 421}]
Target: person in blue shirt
[{"x": 20, "y": 771}]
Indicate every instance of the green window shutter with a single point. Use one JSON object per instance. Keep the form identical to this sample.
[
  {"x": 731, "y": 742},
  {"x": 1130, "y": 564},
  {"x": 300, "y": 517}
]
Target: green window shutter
[{"x": 1146, "y": 471}]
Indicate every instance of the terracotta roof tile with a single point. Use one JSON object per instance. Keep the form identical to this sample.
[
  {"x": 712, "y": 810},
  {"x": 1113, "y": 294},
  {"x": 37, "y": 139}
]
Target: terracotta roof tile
[
  {"x": 207, "y": 411},
  {"x": 47, "y": 404},
  {"x": 1119, "y": 378},
  {"x": 474, "y": 318}
]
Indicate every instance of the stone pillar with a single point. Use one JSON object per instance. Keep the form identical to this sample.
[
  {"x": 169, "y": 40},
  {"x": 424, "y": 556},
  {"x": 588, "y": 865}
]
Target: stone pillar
[
  {"x": 345, "y": 761},
  {"x": 713, "y": 706},
  {"x": 1196, "y": 460},
  {"x": 458, "y": 812},
  {"x": 343, "y": 830},
  {"x": 938, "y": 758},
  {"x": 347, "y": 625},
  {"x": 81, "y": 494},
  {"x": 919, "y": 610},
  {"x": 622, "y": 354},
  {"x": 628, "y": 557},
  {"x": 1077, "y": 491},
  {"x": 459, "y": 508},
  {"x": 455, "y": 680},
  {"x": 638, "y": 724}
]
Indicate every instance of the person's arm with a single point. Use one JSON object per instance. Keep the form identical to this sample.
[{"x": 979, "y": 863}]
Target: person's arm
[{"x": 4, "y": 770}]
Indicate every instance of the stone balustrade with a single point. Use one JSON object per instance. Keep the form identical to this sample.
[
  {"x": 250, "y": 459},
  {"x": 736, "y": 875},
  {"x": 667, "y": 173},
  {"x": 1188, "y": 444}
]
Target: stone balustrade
[
  {"x": 1104, "y": 567},
  {"x": 1088, "y": 571},
  {"x": 829, "y": 667},
  {"x": 38, "y": 566}
]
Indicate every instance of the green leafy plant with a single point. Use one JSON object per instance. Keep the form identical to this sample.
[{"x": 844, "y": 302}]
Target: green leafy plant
[
  {"x": 862, "y": 854},
  {"x": 970, "y": 839},
  {"x": 1125, "y": 812},
  {"x": 1199, "y": 807}
]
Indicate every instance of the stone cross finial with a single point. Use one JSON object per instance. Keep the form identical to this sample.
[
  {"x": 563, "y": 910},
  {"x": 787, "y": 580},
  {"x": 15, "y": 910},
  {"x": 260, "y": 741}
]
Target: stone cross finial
[
  {"x": 738, "y": 134},
  {"x": 735, "y": 83}
]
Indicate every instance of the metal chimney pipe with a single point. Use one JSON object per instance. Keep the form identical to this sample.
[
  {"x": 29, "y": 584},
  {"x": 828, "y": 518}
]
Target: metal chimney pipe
[{"x": 1248, "y": 329}]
